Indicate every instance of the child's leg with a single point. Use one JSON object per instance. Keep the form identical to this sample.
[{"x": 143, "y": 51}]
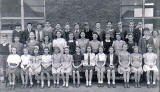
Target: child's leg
[
  {"x": 74, "y": 79},
  {"x": 67, "y": 79},
  {"x": 125, "y": 77},
  {"x": 148, "y": 77},
  {"x": 86, "y": 75},
  {"x": 58, "y": 75},
  {"x": 154, "y": 77},
  {"x": 38, "y": 80},
  {"x": 108, "y": 76},
  {"x": 98, "y": 76},
  {"x": 42, "y": 79},
  {"x": 14, "y": 79},
  {"x": 136, "y": 76},
  {"x": 48, "y": 78},
  {"x": 90, "y": 77},
  {"x": 78, "y": 77},
  {"x": 113, "y": 76},
  {"x": 54, "y": 78},
  {"x": 26, "y": 78},
  {"x": 9, "y": 78},
  {"x": 22, "y": 77},
  {"x": 63, "y": 78},
  {"x": 30, "y": 79},
  {"x": 128, "y": 75}
]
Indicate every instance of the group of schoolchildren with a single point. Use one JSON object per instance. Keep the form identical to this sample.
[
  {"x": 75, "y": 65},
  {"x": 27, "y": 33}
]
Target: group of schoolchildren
[{"x": 48, "y": 53}]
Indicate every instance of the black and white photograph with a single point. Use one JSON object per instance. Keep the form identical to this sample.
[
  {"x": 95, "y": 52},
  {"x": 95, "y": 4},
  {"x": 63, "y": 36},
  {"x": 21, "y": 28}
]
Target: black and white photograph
[{"x": 79, "y": 45}]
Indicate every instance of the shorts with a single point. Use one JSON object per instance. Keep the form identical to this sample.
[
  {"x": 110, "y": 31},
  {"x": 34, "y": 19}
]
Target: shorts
[{"x": 121, "y": 69}]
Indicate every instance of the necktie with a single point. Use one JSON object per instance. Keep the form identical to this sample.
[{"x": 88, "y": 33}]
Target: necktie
[{"x": 88, "y": 59}]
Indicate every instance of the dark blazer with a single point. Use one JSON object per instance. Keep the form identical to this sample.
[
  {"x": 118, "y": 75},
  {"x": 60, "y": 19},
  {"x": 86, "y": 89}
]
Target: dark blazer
[{"x": 115, "y": 60}]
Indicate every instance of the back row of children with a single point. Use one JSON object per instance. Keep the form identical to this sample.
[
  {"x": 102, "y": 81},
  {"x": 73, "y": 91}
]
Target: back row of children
[{"x": 70, "y": 54}]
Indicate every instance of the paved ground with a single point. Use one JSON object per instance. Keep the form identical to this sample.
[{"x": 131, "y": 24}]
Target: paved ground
[{"x": 94, "y": 88}]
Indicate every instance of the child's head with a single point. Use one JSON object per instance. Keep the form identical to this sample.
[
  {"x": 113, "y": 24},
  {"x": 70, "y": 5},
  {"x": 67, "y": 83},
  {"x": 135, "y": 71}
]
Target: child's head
[
  {"x": 89, "y": 49},
  {"x": 56, "y": 50},
  {"x": 155, "y": 33},
  {"x": 46, "y": 38},
  {"x": 125, "y": 47},
  {"x": 131, "y": 24},
  {"x": 76, "y": 26},
  {"x": 130, "y": 37},
  {"x": 31, "y": 35},
  {"x": 39, "y": 26},
  {"x": 25, "y": 51},
  {"x": 95, "y": 36},
  {"x": 58, "y": 26},
  {"x": 118, "y": 36},
  {"x": 109, "y": 24},
  {"x": 46, "y": 50},
  {"x": 67, "y": 27},
  {"x": 58, "y": 34},
  {"x": 47, "y": 24},
  {"x": 107, "y": 35},
  {"x": 18, "y": 28},
  {"x": 71, "y": 36},
  {"x": 14, "y": 50},
  {"x": 66, "y": 50},
  {"x": 150, "y": 48},
  {"x": 29, "y": 25},
  {"x": 136, "y": 50},
  {"x": 100, "y": 49},
  {"x": 82, "y": 34},
  {"x": 16, "y": 39},
  {"x": 146, "y": 31},
  {"x": 98, "y": 25},
  {"x": 119, "y": 24},
  {"x": 78, "y": 50},
  {"x": 111, "y": 50},
  {"x": 4, "y": 38},
  {"x": 36, "y": 50}
]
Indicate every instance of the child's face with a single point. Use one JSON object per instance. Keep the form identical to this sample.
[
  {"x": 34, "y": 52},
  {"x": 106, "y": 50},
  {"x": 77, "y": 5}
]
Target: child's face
[
  {"x": 125, "y": 47},
  {"x": 82, "y": 35},
  {"x": 111, "y": 50},
  {"x": 76, "y": 26},
  {"x": 39, "y": 26},
  {"x": 155, "y": 33},
  {"x": 14, "y": 50},
  {"x": 25, "y": 51},
  {"x": 56, "y": 50},
  {"x": 46, "y": 38},
  {"x": 107, "y": 36},
  {"x": 131, "y": 24},
  {"x": 89, "y": 49},
  {"x": 46, "y": 51},
  {"x": 95, "y": 36},
  {"x": 67, "y": 27},
  {"x": 71, "y": 36},
  {"x": 31, "y": 36},
  {"x": 100, "y": 50},
  {"x": 66, "y": 51},
  {"x": 146, "y": 33},
  {"x": 136, "y": 50},
  {"x": 35, "y": 51},
  {"x": 77, "y": 50},
  {"x": 130, "y": 37},
  {"x": 58, "y": 34},
  {"x": 109, "y": 24},
  {"x": 29, "y": 26},
  {"x": 58, "y": 26},
  {"x": 150, "y": 49},
  {"x": 118, "y": 37},
  {"x": 119, "y": 24},
  {"x": 16, "y": 39},
  {"x": 98, "y": 25}
]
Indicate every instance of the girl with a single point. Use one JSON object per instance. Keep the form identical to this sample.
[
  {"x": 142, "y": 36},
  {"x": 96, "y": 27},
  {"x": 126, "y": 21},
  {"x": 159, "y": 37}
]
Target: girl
[
  {"x": 89, "y": 63},
  {"x": 124, "y": 65},
  {"x": 77, "y": 65},
  {"x": 71, "y": 43},
  {"x": 31, "y": 43},
  {"x": 47, "y": 30},
  {"x": 82, "y": 42},
  {"x": 13, "y": 61},
  {"x": 118, "y": 43},
  {"x": 47, "y": 43},
  {"x": 76, "y": 31},
  {"x": 59, "y": 42},
  {"x": 25, "y": 67},
  {"x": 99, "y": 30},
  {"x": 67, "y": 31},
  {"x": 66, "y": 68},
  {"x": 111, "y": 66},
  {"x": 107, "y": 43},
  {"x": 150, "y": 60},
  {"x": 130, "y": 43},
  {"x": 56, "y": 65},
  {"x": 136, "y": 65},
  {"x": 95, "y": 44},
  {"x": 46, "y": 66},
  {"x": 35, "y": 66},
  {"x": 110, "y": 30},
  {"x": 100, "y": 65}
]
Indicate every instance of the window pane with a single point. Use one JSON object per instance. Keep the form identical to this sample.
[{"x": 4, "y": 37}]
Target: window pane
[
  {"x": 9, "y": 24},
  {"x": 131, "y": 2},
  {"x": 34, "y": 2},
  {"x": 11, "y": 8}
]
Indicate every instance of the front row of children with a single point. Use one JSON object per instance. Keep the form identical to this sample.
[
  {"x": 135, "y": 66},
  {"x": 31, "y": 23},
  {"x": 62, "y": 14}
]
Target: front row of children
[{"x": 41, "y": 67}]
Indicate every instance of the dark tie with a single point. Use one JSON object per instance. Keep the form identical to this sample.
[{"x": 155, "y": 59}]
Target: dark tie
[{"x": 88, "y": 59}]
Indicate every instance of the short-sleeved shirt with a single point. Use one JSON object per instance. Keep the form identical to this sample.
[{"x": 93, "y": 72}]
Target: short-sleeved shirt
[
  {"x": 25, "y": 60},
  {"x": 150, "y": 58},
  {"x": 77, "y": 59},
  {"x": 14, "y": 60},
  {"x": 46, "y": 60}
]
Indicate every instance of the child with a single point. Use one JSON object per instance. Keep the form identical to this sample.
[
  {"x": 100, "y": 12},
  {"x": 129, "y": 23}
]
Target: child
[
  {"x": 17, "y": 45},
  {"x": 25, "y": 58},
  {"x": 71, "y": 43},
  {"x": 124, "y": 65},
  {"x": 13, "y": 61},
  {"x": 76, "y": 31},
  {"x": 77, "y": 65},
  {"x": 110, "y": 30},
  {"x": 67, "y": 31},
  {"x": 82, "y": 42},
  {"x": 100, "y": 66},
  {"x": 4, "y": 52},
  {"x": 56, "y": 65},
  {"x": 136, "y": 65},
  {"x": 89, "y": 63},
  {"x": 150, "y": 60},
  {"x": 99, "y": 30},
  {"x": 95, "y": 43},
  {"x": 118, "y": 43},
  {"x": 59, "y": 41},
  {"x": 130, "y": 43},
  {"x": 66, "y": 67},
  {"x": 111, "y": 66},
  {"x": 46, "y": 66},
  {"x": 47, "y": 43},
  {"x": 48, "y": 30},
  {"x": 35, "y": 66}
]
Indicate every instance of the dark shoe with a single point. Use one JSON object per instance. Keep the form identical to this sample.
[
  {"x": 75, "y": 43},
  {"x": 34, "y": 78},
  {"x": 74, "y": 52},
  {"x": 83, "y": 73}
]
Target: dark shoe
[
  {"x": 78, "y": 85},
  {"x": 138, "y": 85},
  {"x": 128, "y": 86},
  {"x": 148, "y": 85},
  {"x": 74, "y": 85},
  {"x": 114, "y": 85},
  {"x": 31, "y": 85},
  {"x": 102, "y": 85},
  {"x": 125, "y": 85},
  {"x": 109, "y": 85},
  {"x": 98, "y": 85},
  {"x": 13, "y": 87}
]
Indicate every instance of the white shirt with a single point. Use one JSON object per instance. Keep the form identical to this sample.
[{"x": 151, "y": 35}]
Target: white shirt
[
  {"x": 14, "y": 59},
  {"x": 100, "y": 57},
  {"x": 60, "y": 42},
  {"x": 150, "y": 58},
  {"x": 92, "y": 59},
  {"x": 25, "y": 60},
  {"x": 46, "y": 60}
]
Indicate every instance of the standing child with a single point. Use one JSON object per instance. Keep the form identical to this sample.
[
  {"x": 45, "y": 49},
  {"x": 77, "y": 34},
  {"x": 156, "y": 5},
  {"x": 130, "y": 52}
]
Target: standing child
[
  {"x": 150, "y": 60},
  {"x": 124, "y": 65},
  {"x": 111, "y": 66},
  {"x": 77, "y": 65},
  {"x": 100, "y": 66},
  {"x": 66, "y": 68},
  {"x": 56, "y": 65},
  {"x": 71, "y": 43},
  {"x": 25, "y": 58},
  {"x": 35, "y": 67},
  {"x": 136, "y": 65},
  {"x": 89, "y": 64},
  {"x": 46, "y": 66},
  {"x": 13, "y": 61}
]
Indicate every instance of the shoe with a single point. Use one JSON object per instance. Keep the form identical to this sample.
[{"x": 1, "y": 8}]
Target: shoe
[
  {"x": 125, "y": 85},
  {"x": 109, "y": 85},
  {"x": 25, "y": 86},
  {"x": 114, "y": 85},
  {"x": 128, "y": 86},
  {"x": 90, "y": 84},
  {"x": 31, "y": 85},
  {"x": 57, "y": 85},
  {"x": 13, "y": 87},
  {"x": 87, "y": 84},
  {"x": 138, "y": 85},
  {"x": 148, "y": 86},
  {"x": 67, "y": 85},
  {"x": 74, "y": 85},
  {"x": 78, "y": 85},
  {"x": 42, "y": 86},
  {"x": 64, "y": 84}
]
